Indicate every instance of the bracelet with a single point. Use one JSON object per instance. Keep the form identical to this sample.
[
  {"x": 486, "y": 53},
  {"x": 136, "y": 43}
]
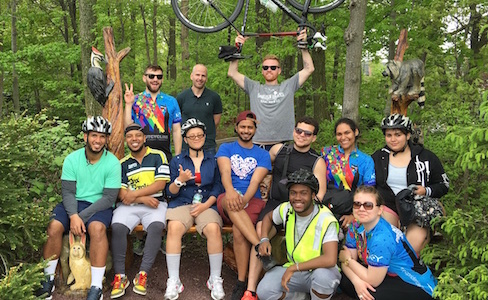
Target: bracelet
[
  {"x": 179, "y": 183},
  {"x": 298, "y": 269},
  {"x": 264, "y": 240}
]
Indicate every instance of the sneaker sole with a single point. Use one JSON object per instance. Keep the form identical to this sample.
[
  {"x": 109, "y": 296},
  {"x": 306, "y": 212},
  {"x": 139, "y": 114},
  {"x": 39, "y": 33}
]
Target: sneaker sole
[
  {"x": 123, "y": 293},
  {"x": 50, "y": 297},
  {"x": 139, "y": 292}
]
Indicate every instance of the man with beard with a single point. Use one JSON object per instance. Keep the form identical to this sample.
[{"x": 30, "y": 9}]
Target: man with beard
[
  {"x": 156, "y": 112},
  {"x": 311, "y": 233},
  {"x": 242, "y": 166},
  {"x": 90, "y": 182},
  {"x": 202, "y": 104},
  {"x": 272, "y": 101},
  {"x": 288, "y": 159},
  {"x": 145, "y": 172}
]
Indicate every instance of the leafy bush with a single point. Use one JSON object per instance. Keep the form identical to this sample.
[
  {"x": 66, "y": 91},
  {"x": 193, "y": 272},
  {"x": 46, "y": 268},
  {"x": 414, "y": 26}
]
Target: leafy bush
[
  {"x": 21, "y": 281},
  {"x": 33, "y": 149}
]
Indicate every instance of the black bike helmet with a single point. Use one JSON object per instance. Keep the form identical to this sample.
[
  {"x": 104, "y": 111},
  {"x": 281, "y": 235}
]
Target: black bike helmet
[
  {"x": 97, "y": 124},
  {"x": 397, "y": 121},
  {"x": 192, "y": 123},
  {"x": 304, "y": 177}
]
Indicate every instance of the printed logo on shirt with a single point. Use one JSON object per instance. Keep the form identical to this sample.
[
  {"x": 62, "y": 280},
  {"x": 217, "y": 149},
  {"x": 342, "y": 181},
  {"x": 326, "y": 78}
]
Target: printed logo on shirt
[
  {"x": 242, "y": 167},
  {"x": 132, "y": 166},
  {"x": 274, "y": 98}
]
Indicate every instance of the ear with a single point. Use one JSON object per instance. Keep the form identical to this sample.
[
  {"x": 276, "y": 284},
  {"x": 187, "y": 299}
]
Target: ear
[
  {"x": 314, "y": 138},
  {"x": 71, "y": 238},
  {"x": 408, "y": 136},
  {"x": 83, "y": 239},
  {"x": 356, "y": 132},
  {"x": 85, "y": 137}
]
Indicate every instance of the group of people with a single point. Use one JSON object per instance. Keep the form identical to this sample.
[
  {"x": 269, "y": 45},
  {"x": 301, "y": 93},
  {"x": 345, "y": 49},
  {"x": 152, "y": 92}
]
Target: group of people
[{"x": 317, "y": 199}]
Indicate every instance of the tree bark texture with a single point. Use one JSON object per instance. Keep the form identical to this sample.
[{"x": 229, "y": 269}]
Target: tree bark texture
[
  {"x": 2, "y": 30},
  {"x": 321, "y": 108},
  {"x": 400, "y": 105},
  {"x": 113, "y": 109},
  {"x": 87, "y": 18},
  {"x": 172, "y": 49},
  {"x": 15, "y": 77},
  {"x": 353, "y": 37},
  {"x": 155, "y": 32},
  {"x": 146, "y": 39},
  {"x": 185, "y": 52}
]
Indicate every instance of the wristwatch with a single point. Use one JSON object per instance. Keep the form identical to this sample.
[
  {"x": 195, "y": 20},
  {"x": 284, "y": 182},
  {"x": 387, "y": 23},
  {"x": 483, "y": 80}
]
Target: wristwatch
[{"x": 179, "y": 183}]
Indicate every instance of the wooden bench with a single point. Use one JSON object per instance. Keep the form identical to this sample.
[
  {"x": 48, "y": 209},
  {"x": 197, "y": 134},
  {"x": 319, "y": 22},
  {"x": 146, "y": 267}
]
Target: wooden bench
[{"x": 129, "y": 257}]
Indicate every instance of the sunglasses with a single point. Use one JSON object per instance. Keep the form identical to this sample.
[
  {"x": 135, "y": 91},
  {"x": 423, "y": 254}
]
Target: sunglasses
[
  {"x": 299, "y": 131},
  {"x": 151, "y": 76},
  {"x": 366, "y": 205},
  {"x": 194, "y": 137},
  {"x": 273, "y": 68}
]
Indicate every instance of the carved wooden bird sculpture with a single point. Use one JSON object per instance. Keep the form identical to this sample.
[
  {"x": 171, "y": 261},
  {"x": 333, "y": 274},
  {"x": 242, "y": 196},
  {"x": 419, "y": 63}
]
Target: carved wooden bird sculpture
[{"x": 97, "y": 79}]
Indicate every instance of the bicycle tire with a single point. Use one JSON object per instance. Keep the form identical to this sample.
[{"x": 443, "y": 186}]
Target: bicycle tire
[
  {"x": 316, "y": 6},
  {"x": 201, "y": 17}
]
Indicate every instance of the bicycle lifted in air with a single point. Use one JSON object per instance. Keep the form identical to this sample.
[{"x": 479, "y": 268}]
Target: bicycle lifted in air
[{"x": 207, "y": 16}]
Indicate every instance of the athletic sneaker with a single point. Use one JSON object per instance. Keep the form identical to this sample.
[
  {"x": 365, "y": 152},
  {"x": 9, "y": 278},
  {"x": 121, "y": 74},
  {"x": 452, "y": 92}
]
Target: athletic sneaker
[
  {"x": 239, "y": 290},
  {"x": 173, "y": 289},
  {"x": 140, "y": 283},
  {"x": 47, "y": 288},
  {"x": 119, "y": 284},
  {"x": 248, "y": 295},
  {"x": 215, "y": 285},
  {"x": 94, "y": 294}
]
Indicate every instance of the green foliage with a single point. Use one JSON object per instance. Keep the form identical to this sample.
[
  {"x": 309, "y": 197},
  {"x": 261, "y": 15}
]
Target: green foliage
[
  {"x": 33, "y": 152},
  {"x": 21, "y": 281}
]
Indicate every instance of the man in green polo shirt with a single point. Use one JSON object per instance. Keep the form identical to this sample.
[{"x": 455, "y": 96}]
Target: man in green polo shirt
[
  {"x": 203, "y": 104},
  {"x": 90, "y": 183}
]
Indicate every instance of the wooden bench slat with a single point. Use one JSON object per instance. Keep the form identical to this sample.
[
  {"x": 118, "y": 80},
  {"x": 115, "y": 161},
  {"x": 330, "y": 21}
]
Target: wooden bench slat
[{"x": 193, "y": 229}]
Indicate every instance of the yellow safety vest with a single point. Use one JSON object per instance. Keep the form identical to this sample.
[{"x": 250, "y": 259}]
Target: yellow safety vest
[{"x": 310, "y": 245}]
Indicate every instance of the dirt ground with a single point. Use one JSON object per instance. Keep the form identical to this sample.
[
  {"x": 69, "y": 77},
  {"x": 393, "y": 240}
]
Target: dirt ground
[{"x": 194, "y": 272}]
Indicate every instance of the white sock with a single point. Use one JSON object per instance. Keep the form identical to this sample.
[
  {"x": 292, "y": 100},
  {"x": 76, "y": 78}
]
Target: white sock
[
  {"x": 215, "y": 261},
  {"x": 50, "y": 269},
  {"x": 173, "y": 265},
  {"x": 97, "y": 276}
]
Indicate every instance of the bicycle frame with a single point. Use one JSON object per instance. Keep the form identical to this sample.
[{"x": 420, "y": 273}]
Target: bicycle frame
[{"x": 300, "y": 20}]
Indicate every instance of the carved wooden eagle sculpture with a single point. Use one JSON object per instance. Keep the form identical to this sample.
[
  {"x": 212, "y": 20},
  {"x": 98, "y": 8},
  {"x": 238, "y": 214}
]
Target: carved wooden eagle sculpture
[{"x": 97, "y": 79}]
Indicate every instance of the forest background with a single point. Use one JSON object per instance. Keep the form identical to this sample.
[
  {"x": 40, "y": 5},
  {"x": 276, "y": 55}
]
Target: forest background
[{"x": 44, "y": 56}]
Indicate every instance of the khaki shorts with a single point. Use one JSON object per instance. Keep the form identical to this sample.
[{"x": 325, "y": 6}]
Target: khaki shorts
[{"x": 182, "y": 214}]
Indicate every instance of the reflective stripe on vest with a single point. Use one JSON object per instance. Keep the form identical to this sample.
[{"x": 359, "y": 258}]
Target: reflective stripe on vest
[{"x": 310, "y": 244}]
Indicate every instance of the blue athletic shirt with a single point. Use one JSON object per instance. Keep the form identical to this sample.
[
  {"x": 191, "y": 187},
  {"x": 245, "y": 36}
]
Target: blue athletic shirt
[
  {"x": 243, "y": 162},
  {"x": 386, "y": 246}
]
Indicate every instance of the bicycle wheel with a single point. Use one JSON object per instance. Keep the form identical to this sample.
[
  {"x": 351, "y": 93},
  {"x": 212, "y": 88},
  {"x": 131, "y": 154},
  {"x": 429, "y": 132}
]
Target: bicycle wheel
[
  {"x": 316, "y": 6},
  {"x": 199, "y": 16}
]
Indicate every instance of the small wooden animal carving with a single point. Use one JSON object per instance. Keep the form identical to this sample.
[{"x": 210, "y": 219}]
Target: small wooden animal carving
[{"x": 79, "y": 264}]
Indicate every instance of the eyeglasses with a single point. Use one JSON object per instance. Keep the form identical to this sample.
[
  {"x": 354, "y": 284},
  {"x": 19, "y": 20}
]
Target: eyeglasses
[
  {"x": 366, "y": 205},
  {"x": 299, "y": 131},
  {"x": 194, "y": 137},
  {"x": 273, "y": 68},
  {"x": 151, "y": 76}
]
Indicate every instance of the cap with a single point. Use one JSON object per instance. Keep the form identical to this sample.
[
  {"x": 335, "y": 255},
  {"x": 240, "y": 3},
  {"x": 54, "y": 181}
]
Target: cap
[
  {"x": 133, "y": 126},
  {"x": 246, "y": 115}
]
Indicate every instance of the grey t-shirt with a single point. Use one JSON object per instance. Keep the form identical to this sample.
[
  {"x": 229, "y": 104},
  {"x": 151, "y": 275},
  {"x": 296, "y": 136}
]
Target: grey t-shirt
[{"x": 274, "y": 109}]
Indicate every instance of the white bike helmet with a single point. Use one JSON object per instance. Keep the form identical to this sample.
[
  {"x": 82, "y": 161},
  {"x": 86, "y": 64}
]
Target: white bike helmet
[
  {"x": 97, "y": 124},
  {"x": 192, "y": 123},
  {"x": 397, "y": 121}
]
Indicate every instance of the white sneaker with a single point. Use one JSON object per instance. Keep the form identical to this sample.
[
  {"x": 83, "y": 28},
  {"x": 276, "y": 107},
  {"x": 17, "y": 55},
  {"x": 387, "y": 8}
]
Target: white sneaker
[
  {"x": 173, "y": 289},
  {"x": 215, "y": 285}
]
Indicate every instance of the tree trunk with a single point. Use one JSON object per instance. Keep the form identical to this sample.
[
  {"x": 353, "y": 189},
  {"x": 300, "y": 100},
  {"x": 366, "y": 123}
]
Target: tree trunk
[
  {"x": 74, "y": 26},
  {"x": 15, "y": 78},
  {"x": 2, "y": 30},
  {"x": 155, "y": 32},
  {"x": 353, "y": 37},
  {"x": 113, "y": 109},
  {"x": 301, "y": 101},
  {"x": 86, "y": 39},
  {"x": 148, "y": 56},
  {"x": 319, "y": 87},
  {"x": 335, "y": 76},
  {"x": 185, "y": 52},
  {"x": 172, "y": 49}
]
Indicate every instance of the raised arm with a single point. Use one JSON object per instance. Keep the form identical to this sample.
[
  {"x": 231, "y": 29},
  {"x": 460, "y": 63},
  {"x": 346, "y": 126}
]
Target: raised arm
[
  {"x": 233, "y": 71},
  {"x": 320, "y": 171},
  {"x": 308, "y": 66}
]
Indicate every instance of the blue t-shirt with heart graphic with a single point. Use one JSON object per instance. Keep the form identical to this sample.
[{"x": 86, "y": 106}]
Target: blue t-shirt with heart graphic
[{"x": 243, "y": 162}]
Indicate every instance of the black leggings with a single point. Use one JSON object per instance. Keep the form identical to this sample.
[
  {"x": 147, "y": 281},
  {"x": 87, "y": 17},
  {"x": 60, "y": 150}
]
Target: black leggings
[{"x": 390, "y": 288}]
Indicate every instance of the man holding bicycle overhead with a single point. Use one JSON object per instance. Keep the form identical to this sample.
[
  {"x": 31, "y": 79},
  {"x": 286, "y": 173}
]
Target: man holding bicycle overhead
[{"x": 272, "y": 102}]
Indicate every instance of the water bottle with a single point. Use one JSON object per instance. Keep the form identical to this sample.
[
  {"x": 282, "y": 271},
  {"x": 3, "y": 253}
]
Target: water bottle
[
  {"x": 198, "y": 197},
  {"x": 269, "y": 5}
]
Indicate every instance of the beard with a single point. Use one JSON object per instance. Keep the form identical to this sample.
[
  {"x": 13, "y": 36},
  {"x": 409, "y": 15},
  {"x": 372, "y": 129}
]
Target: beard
[
  {"x": 93, "y": 151},
  {"x": 245, "y": 139},
  {"x": 149, "y": 87},
  {"x": 137, "y": 150}
]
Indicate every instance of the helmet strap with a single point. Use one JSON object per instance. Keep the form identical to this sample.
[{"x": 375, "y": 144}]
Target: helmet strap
[
  {"x": 196, "y": 150},
  {"x": 402, "y": 150}
]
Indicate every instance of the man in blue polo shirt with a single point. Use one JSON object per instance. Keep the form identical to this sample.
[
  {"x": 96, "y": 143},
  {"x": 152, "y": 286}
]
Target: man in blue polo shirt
[{"x": 90, "y": 182}]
